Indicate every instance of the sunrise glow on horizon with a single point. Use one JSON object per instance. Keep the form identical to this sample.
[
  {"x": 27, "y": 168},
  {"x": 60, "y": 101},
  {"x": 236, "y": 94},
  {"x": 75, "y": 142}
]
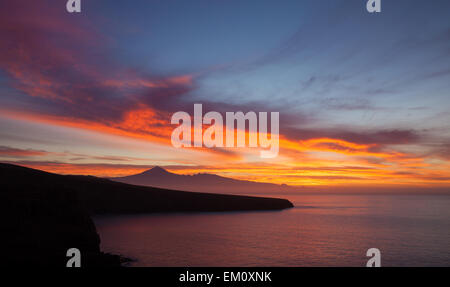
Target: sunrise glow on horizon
[{"x": 362, "y": 99}]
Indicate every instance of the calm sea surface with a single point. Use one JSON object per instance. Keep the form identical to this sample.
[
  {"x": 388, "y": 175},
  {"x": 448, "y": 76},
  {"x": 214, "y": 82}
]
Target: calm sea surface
[{"x": 322, "y": 230}]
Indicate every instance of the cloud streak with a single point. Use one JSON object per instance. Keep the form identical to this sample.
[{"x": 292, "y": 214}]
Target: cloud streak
[{"x": 62, "y": 71}]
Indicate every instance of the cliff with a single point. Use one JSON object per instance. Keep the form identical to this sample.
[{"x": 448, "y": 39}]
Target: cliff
[{"x": 45, "y": 214}]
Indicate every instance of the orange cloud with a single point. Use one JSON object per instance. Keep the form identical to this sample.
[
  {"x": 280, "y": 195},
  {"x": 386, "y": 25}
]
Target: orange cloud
[{"x": 15, "y": 152}]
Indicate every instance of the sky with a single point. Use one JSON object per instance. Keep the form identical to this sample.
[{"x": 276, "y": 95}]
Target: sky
[{"x": 363, "y": 98}]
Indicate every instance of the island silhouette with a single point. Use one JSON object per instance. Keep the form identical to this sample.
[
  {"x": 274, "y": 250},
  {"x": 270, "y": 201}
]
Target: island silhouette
[
  {"x": 200, "y": 182},
  {"x": 45, "y": 214}
]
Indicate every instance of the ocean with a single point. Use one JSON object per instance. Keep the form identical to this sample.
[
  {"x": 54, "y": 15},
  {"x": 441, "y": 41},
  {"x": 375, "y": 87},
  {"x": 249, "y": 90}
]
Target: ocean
[{"x": 321, "y": 230}]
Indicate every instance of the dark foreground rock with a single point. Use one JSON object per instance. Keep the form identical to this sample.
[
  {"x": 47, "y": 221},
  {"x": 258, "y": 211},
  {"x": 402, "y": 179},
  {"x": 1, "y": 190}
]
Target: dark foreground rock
[{"x": 44, "y": 214}]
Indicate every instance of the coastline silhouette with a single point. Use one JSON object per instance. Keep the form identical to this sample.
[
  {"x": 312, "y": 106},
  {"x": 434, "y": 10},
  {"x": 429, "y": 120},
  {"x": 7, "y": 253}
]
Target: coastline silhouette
[{"x": 45, "y": 214}]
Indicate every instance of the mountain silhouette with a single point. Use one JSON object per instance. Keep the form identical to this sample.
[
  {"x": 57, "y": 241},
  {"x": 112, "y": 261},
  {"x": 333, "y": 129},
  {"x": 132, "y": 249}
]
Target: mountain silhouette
[
  {"x": 44, "y": 214},
  {"x": 201, "y": 182},
  {"x": 156, "y": 171}
]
